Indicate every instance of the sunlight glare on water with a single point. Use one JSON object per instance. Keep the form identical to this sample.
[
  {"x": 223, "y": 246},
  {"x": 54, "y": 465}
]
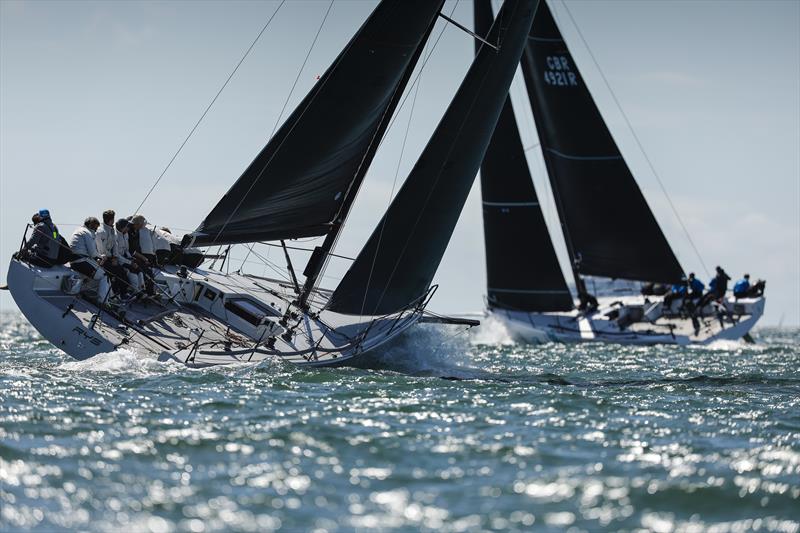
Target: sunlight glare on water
[{"x": 442, "y": 430}]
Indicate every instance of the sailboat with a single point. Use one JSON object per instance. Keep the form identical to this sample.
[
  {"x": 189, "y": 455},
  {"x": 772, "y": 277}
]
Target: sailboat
[
  {"x": 303, "y": 184},
  {"x": 609, "y": 230}
]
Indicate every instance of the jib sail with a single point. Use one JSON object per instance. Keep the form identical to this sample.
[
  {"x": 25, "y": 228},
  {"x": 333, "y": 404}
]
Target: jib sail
[{"x": 398, "y": 262}]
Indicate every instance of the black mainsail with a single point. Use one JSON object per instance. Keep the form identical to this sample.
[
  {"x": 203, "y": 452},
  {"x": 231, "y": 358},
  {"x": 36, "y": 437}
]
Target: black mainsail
[
  {"x": 286, "y": 194},
  {"x": 522, "y": 268},
  {"x": 396, "y": 266},
  {"x": 609, "y": 229}
]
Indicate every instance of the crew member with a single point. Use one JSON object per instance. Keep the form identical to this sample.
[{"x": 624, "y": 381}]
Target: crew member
[
  {"x": 42, "y": 248},
  {"x": 124, "y": 258},
  {"x": 696, "y": 287},
  {"x": 742, "y": 287},
  {"x": 142, "y": 243},
  {"x": 83, "y": 245},
  {"x": 717, "y": 287},
  {"x": 678, "y": 292},
  {"x": 138, "y": 242},
  {"x": 105, "y": 236},
  {"x": 162, "y": 243}
]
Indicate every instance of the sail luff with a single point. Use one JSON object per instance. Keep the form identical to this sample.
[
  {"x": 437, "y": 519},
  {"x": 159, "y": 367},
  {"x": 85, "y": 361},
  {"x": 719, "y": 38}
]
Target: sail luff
[
  {"x": 522, "y": 269},
  {"x": 396, "y": 266},
  {"x": 608, "y": 227},
  {"x": 296, "y": 185},
  {"x": 320, "y": 254}
]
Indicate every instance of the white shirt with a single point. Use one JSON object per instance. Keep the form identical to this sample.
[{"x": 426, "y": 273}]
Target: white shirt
[
  {"x": 146, "y": 241},
  {"x": 106, "y": 240},
  {"x": 83, "y": 242},
  {"x": 160, "y": 242},
  {"x": 121, "y": 248}
]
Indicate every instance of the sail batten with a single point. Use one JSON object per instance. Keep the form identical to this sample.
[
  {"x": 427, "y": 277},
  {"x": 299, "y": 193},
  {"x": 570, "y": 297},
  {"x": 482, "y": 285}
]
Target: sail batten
[
  {"x": 522, "y": 270},
  {"x": 396, "y": 266},
  {"x": 298, "y": 183},
  {"x": 609, "y": 229}
]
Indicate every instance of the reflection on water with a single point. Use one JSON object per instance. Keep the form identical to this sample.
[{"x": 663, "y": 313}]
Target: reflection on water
[{"x": 517, "y": 437}]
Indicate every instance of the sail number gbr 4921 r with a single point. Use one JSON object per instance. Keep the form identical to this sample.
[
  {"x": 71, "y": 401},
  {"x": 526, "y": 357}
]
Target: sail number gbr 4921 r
[{"x": 558, "y": 72}]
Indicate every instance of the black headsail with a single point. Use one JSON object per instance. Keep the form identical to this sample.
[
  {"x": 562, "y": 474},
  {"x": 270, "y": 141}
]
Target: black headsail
[
  {"x": 522, "y": 268},
  {"x": 296, "y": 186},
  {"x": 609, "y": 229},
  {"x": 398, "y": 263}
]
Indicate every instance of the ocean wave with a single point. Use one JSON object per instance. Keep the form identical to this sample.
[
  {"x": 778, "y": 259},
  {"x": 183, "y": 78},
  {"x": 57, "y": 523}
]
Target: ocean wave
[
  {"x": 119, "y": 361},
  {"x": 491, "y": 331}
]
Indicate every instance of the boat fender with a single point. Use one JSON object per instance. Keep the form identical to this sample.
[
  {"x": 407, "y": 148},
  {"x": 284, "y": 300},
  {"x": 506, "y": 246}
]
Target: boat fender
[{"x": 70, "y": 307}]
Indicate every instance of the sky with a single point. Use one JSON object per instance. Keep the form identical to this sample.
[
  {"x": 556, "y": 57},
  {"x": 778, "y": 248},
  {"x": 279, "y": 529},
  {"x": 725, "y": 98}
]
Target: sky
[{"x": 96, "y": 97}]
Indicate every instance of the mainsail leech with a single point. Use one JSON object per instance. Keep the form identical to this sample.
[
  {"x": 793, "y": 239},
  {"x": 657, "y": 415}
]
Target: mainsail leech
[
  {"x": 608, "y": 227},
  {"x": 397, "y": 265},
  {"x": 285, "y": 194},
  {"x": 522, "y": 268}
]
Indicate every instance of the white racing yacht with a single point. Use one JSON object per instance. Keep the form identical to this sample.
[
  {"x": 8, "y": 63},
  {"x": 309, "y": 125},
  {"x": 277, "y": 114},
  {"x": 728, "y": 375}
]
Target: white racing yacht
[
  {"x": 610, "y": 233},
  {"x": 303, "y": 184}
]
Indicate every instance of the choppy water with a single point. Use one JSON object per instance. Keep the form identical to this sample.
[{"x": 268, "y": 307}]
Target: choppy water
[{"x": 591, "y": 437}]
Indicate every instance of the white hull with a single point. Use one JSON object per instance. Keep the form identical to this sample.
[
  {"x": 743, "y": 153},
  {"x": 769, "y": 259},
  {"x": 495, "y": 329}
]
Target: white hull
[
  {"x": 202, "y": 320},
  {"x": 629, "y": 320}
]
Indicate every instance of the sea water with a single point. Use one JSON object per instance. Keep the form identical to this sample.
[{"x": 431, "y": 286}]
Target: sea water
[{"x": 444, "y": 430}]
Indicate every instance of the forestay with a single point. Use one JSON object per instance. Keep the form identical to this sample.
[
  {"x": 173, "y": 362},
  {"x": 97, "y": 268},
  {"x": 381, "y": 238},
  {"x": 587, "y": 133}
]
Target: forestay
[
  {"x": 284, "y": 193},
  {"x": 609, "y": 228},
  {"x": 521, "y": 265},
  {"x": 397, "y": 265}
]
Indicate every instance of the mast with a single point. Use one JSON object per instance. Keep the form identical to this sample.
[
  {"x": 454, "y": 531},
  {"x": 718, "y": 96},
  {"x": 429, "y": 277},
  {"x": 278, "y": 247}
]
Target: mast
[
  {"x": 320, "y": 254},
  {"x": 608, "y": 227},
  {"x": 396, "y": 266}
]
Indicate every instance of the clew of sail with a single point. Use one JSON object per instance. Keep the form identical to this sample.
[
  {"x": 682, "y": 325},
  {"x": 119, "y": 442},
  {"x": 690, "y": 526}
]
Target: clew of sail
[
  {"x": 285, "y": 193},
  {"x": 609, "y": 229},
  {"x": 398, "y": 262},
  {"x": 522, "y": 274}
]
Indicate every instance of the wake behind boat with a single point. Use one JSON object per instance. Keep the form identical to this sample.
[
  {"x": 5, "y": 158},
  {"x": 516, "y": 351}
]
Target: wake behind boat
[
  {"x": 609, "y": 231},
  {"x": 302, "y": 184}
]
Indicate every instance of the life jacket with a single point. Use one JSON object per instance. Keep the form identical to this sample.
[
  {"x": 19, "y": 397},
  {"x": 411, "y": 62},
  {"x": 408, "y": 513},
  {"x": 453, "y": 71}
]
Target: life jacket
[{"x": 47, "y": 240}]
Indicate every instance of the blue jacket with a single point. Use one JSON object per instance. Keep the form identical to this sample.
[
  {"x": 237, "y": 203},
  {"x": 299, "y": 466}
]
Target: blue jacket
[
  {"x": 741, "y": 287},
  {"x": 679, "y": 288},
  {"x": 696, "y": 285}
]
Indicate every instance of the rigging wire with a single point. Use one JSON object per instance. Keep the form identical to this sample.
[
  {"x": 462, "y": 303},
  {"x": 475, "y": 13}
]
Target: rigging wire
[
  {"x": 397, "y": 111},
  {"x": 247, "y": 52},
  {"x": 302, "y": 67},
  {"x": 636, "y": 138},
  {"x": 391, "y": 194},
  {"x": 426, "y": 201},
  {"x": 280, "y": 145},
  {"x": 291, "y": 92},
  {"x": 419, "y": 74}
]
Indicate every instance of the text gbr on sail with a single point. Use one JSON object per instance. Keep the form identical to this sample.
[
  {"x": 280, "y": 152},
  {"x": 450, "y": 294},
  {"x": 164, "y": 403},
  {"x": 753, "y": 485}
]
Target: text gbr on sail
[{"x": 558, "y": 72}]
